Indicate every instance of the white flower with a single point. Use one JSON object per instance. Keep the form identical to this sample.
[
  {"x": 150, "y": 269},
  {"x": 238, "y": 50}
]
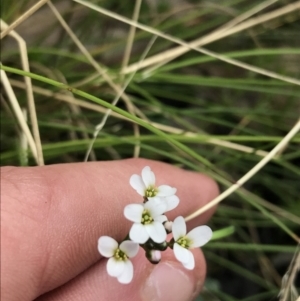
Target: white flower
[
  {"x": 118, "y": 264},
  {"x": 183, "y": 242},
  {"x": 145, "y": 186},
  {"x": 148, "y": 219}
]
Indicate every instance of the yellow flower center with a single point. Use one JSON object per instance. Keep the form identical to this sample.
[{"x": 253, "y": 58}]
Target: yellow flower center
[
  {"x": 146, "y": 217},
  {"x": 150, "y": 192},
  {"x": 184, "y": 242},
  {"x": 120, "y": 255}
]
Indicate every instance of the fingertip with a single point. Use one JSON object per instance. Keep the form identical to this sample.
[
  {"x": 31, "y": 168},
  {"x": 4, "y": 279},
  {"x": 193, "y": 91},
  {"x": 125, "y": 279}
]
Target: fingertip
[{"x": 169, "y": 280}]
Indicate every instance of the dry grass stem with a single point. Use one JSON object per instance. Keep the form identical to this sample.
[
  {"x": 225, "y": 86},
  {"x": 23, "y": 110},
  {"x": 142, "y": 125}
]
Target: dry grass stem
[
  {"x": 131, "y": 35},
  {"x": 243, "y": 123},
  {"x": 76, "y": 123},
  {"x": 266, "y": 268},
  {"x": 256, "y": 9},
  {"x": 29, "y": 92},
  {"x": 190, "y": 46},
  {"x": 219, "y": 142},
  {"x": 86, "y": 80},
  {"x": 131, "y": 108},
  {"x": 24, "y": 142},
  {"x": 102, "y": 71},
  {"x": 18, "y": 113},
  {"x": 288, "y": 290},
  {"x": 22, "y": 18},
  {"x": 162, "y": 127},
  {"x": 212, "y": 37},
  {"x": 275, "y": 209},
  {"x": 100, "y": 126},
  {"x": 125, "y": 61},
  {"x": 249, "y": 174}
]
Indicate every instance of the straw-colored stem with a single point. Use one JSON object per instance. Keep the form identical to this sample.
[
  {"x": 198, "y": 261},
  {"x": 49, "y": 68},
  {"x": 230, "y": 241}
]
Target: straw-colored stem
[
  {"x": 24, "y": 143},
  {"x": 163, "y": 127},
  {"x": 18, "y": 112},
  {"x": 212, "y": 37},
  {"x": 191, "y": 46},
  {"x": 29, "y": 92},
  {"x": 131, "y": 35},
  {"x": 131, "y": 108},
  {"x": 125, "y": 61},
  {"x": 22, "y": 18},
  {"x": 249, "y": 174},
  {"x": 288, "y": 278},
  {"x": 101, "y": 70},
  {"x": 216, "y": 34},
  {"x": 100, "y": 126}
]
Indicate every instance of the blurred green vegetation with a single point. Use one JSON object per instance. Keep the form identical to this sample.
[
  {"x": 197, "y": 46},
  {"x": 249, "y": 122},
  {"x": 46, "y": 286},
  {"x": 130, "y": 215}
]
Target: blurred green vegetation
[{"x": 199, "y": 97}]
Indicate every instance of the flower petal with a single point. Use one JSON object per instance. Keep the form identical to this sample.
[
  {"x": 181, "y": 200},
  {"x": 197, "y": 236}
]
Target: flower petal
[
  {"x": 181, "y": 254},
  {"x": 130, "y": 248},
  {"x": 133, "y": 212},
  {"x": 171, "y": 201},
  {"x": 199, "y": 236},
  {"x": 156, "y": 199},
  {"x": 107, "y": 246},
  {"x": 127, "y": 274},
  {"x": 148, "y": 176},
  {"x": 137, "y": 183},
  {"x": 157, "y": 232},
  {"x": 138, "y": 233},
  {"x": 178, "y": 227},
  {"x": 115, "y": 267},
  {"x": 155, "y": 208},
  {"x": 191, "y": 262},
  {"x": 166, "y": 190},
  {"x": 160, "y": 218}
]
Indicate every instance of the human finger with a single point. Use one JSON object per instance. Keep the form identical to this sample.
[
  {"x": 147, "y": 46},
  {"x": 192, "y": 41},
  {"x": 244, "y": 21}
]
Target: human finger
[
  {"x": 53, "y": 216},
  {"x": 168, "y": 280}
]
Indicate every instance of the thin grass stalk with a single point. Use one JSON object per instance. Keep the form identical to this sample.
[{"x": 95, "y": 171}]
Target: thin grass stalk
[
  {"x": 30, "y": 97},
  {"x": 216, "y": 34},
  {"x": 22, "y": 18},
  {"x": 131, "y": 35},
  {"x": 249, "y": 174},
  {"x": 175, "y": 52},
  {"x": 18, "y": 112},
  {"x": 162, "y": 127}
]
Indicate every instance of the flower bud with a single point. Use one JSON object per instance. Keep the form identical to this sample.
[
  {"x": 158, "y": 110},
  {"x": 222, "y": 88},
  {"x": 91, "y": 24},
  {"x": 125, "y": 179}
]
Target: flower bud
[
  {"x": 154, "y": 256},
  {"x": 168, "y": 226}
]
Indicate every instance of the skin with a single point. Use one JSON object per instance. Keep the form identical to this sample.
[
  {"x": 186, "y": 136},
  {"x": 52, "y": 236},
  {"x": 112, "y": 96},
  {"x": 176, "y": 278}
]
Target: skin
[{"x": 52, "y": 217}]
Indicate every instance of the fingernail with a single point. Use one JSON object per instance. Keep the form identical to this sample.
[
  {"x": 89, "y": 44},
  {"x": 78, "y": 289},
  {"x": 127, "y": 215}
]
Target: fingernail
[{"x": 168, "y": 282}]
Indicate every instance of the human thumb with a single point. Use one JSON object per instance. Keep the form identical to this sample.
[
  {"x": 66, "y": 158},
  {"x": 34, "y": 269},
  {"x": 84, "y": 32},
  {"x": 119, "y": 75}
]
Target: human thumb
[{"x": 169, "y": 280}]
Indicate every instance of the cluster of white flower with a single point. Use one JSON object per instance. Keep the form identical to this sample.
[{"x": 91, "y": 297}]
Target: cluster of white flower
[{"x": 150, "y": 228}]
